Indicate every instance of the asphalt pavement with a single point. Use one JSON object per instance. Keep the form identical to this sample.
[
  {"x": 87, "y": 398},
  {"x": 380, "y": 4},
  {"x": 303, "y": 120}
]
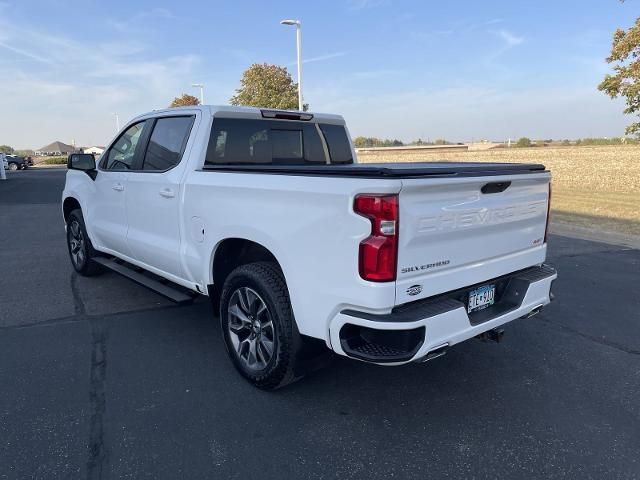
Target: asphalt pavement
[{"x": 101, "y": 378}]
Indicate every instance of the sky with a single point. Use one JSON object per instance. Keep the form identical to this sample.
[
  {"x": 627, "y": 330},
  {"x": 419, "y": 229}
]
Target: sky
[{"x": 405, "y": 69}]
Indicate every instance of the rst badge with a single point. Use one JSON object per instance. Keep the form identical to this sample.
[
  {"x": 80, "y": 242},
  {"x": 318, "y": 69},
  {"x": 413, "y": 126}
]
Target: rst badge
[{"x": 414, "y": 290}]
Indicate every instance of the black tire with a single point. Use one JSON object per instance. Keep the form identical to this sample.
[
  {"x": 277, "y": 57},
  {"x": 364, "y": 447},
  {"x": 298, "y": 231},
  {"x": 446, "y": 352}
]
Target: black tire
[
  {"x": 267, "y": 284},
  {"x": 81, "y": 252},
  {"x": 13, "y": 166}
]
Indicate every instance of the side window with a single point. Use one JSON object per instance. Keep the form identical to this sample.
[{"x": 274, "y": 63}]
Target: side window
[
  {"x": 244, "y": 141},
  {"x": 239, "y": 141},
  {"x": 167, "y": 143},
  {"x": 122, "y": 152},
  {"x": 337, "y": 143}
]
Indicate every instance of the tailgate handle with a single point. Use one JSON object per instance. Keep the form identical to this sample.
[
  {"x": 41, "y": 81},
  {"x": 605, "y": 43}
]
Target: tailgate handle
[{"x": 495, "y": 187}]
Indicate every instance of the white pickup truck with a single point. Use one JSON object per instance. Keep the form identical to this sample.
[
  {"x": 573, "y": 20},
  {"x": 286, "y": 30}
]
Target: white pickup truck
[{"x": 268, "y": 213}]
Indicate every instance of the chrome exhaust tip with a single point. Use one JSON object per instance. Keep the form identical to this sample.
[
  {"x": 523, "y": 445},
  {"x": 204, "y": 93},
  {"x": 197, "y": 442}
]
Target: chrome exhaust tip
[
  {"x": 533, "y": 312},
  {"x": 434, "y": 353}
]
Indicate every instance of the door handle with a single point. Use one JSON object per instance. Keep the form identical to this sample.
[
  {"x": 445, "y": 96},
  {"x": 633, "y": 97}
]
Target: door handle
[
  {"x": 118, "y": 187},
  {"x": 167, "y": 193}
]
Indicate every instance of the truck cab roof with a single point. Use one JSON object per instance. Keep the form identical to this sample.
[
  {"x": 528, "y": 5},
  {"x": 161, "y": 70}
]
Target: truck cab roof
[{"x": 232, "y": 111}]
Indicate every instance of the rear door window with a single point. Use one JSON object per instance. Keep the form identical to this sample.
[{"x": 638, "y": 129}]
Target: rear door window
[
  {"x": 247, "y": 141},
  {"x": 167, "y": 143}
]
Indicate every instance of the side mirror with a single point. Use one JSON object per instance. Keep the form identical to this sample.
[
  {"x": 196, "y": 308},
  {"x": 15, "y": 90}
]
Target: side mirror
[{"x": 83, "y": 161}]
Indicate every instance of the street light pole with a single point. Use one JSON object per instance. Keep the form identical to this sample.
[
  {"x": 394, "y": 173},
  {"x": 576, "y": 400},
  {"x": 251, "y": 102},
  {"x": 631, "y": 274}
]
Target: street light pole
[
  {"x": 117, "y": 122},
  {"x": 299, "y": 49},
  {"x": 298, "y": 25},
  {"x": 201, "y": 86}
]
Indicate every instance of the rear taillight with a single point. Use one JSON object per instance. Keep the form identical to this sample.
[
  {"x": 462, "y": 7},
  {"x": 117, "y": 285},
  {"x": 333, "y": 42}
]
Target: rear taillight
[
  {"x": 378, "y": 256},
  {"x": 546, "y": 227}
]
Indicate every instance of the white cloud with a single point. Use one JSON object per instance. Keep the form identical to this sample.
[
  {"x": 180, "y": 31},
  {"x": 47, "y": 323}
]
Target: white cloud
[
  {"x": 321, "y": 58},
  {"x": 64, "y": 88},
  {"x": 509, "y": 41},
  {"x": 25, "y": 53},
  {"x": 509, "y": 38}
]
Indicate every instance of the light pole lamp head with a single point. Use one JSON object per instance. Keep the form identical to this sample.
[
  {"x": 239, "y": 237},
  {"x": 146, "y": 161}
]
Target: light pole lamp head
[{"x": 290, "y": 22}]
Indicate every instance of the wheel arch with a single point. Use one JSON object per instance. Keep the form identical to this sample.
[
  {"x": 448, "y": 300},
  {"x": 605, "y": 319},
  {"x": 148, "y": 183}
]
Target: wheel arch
[
  {"x": 231, "y": 253},
  {"x": 69, "y": 205}
]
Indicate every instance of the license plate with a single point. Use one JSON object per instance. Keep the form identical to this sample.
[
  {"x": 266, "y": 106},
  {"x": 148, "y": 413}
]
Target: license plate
[{"x": 481, "y": 298}]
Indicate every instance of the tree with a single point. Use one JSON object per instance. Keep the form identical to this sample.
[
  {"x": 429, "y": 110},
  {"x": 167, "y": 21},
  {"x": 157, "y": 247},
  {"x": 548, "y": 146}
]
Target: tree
[
  {"x": 367, "y": 142},
  {"x": 184, "y": 101},
  {"x": 625, "y": 82},
  {"x": 6, "y": 149},
  {"x": 524, "y": 142},
  {"x": 267, "y": 86},
  {"x": 360, "y": 142},
  {"x": 24, "y": 153}
]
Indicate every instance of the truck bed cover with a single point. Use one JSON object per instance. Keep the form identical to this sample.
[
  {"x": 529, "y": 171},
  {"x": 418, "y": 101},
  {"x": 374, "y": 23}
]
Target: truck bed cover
[{"x": 387, "y": 170}]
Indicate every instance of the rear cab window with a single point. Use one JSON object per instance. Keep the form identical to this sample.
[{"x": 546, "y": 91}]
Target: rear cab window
[
  {"x": 337, "y": 142},
  {"x": 277, "y": 142}
]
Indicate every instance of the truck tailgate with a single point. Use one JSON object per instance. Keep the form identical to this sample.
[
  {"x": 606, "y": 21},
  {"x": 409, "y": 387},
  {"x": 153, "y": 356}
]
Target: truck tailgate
[{"x": 457, "y": 232}]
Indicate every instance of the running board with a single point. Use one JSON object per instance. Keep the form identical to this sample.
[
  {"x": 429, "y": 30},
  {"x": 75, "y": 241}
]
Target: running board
[{"x": 168, "y": 291}]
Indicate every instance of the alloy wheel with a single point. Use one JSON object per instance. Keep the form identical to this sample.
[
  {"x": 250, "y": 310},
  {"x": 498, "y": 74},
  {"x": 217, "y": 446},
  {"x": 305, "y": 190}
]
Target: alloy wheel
[
  {"x": 251, "y": 328},
  {"x": 77, "y": 244}
]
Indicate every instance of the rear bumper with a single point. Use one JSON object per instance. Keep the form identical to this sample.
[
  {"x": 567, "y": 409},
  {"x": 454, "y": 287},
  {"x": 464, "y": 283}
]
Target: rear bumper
[{"x": 411, "y": 331}]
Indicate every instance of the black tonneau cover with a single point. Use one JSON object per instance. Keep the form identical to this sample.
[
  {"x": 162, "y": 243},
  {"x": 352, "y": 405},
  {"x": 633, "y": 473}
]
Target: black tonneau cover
[{"x": 387, "y": 170}]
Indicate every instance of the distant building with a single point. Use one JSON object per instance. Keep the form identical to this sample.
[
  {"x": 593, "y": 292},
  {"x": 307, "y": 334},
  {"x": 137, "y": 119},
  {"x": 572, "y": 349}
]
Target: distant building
[
  {"x": 96, "y": 150},
  {"x": 55, "y": 149}
]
